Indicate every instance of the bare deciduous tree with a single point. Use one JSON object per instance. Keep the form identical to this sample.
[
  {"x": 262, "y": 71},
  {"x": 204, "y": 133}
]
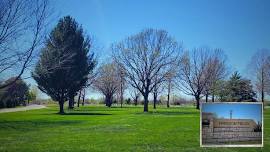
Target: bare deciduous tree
[
  {"x": 90, "y": 81},
  {"x": 156, "y": 91},
  {"x": 22, "y": 31},
  {"x": 260, "y": 69},
  {"x": 216, "y": 70},
  {"x": 169, "y": 84},
  {"x": 122, "y": 83},
  {"x": 192, "y": 75},
  {"x": 135, "y": 95},
  {"x": 268, "y": 67},
  {"x": 144, "y": 56},
  {"x": 107, "y": 82}
]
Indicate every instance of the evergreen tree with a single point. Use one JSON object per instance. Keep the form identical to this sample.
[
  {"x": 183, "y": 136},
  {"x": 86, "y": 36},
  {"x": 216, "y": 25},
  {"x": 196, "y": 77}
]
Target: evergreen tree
[
  {"x": 65, "y": 62},
  {"x": 236, "y": 89}
]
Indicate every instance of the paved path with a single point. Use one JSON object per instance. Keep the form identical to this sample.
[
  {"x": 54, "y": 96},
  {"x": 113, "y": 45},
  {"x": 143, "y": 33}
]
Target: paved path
[{"x": 30, "y": 107}]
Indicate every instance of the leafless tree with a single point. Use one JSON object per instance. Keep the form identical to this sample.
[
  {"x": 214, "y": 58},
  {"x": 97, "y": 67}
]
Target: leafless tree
[
  {"x": 81, "y": 95},
  {"x": 260, "y": 69},
  {"x": 169, "y": 84},
  {"x": 22, "y": 31},
  {"x": 216, "y": 70},
  {"x": 268, "y": 67},
  {"x": 268, "y": 74},
  {"x": 144, "y": 56},
  {"x": 122, "y": 83},
  {"x": 135, "y": 95},
  {"x": 156, "y": 91},
  {"x": 107, "y": 82},
  {"x": 91, "y": 79},
  {"x": 191, "y": 75}
]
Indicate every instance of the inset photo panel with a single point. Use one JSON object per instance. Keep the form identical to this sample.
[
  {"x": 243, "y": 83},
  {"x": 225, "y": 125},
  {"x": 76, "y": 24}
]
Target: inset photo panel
[{"x": 231, "y": 124}]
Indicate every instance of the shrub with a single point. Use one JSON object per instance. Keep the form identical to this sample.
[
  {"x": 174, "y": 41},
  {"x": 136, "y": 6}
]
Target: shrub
[{"x": 13, "y": 95}]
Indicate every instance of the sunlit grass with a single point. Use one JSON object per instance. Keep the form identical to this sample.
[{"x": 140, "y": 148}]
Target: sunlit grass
[{"x": 97, "y": 128}]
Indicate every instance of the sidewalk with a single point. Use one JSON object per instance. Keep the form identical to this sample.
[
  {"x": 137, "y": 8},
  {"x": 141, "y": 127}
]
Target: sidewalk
[{"x": 30, "y": 107}]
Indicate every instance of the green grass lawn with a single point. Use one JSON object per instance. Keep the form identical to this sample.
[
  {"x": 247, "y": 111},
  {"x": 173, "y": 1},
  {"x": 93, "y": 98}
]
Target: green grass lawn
[{"x": 97, "y": 128}]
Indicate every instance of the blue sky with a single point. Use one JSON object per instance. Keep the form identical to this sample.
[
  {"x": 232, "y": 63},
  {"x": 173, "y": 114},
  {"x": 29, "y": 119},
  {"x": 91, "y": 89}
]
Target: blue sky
[
  {"x": 239, "y": 27},
  {"x": 239, "y": 111}
]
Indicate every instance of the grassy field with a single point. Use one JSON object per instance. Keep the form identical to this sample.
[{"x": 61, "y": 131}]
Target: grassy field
[{"x": 97, "y": 128}]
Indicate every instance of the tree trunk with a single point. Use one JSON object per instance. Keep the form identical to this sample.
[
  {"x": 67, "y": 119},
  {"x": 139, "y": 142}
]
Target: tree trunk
[
  {"x": 168, "y": 101},
  {"x": 121, "y": 102},
  {"x": 145, "y": 107},
  {"x": 136, "y": 101},
  {"x": 61, "y": 106},
  {"x": 79, "y": 98},
  {"x": 262, "y": 97},
  {"x": 206, "y": 97},
  {"x": 121, "y": 93},
  {"x": 213, "y": 97},
  {"x": 155, "y": 100},
  {"x": 78, "y": 103},
  {"x": 168, "y": 96},
  {"x": 108, "y": 100},
  {"x": 262, "y": 93},
  {"x": 71, "y": 102},
  {"x": 197, "y": 102},
  {"x": 83, "y": 97}
]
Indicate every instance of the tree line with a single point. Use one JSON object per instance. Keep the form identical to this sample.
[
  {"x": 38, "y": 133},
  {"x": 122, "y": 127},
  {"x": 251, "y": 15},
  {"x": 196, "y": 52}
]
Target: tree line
[
  {"x": 150, "y": 62},
  {"x": 145, "y": 62}
]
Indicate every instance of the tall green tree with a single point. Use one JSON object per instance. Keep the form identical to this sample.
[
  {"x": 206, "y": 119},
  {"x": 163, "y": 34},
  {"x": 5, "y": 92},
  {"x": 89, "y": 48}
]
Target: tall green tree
[{"x": 65, "y": 62}]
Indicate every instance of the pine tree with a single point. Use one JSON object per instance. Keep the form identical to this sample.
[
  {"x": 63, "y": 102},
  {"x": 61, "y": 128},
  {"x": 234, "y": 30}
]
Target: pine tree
[
  {"x": 65, "y": 62},
  {"x": 236, "y": 89}
]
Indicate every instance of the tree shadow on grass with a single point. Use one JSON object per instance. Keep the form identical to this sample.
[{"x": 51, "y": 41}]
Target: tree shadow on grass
[
  {"x": 169, "y": 113},
  {"x": 85, "y": 113},
  {"x": 177, "y": 113},
  {"x": 97, "y": 109},
  {"x": 35, "y": 125}
]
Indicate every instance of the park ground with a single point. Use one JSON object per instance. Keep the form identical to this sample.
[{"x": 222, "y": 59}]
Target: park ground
[{"x": 97, "y": 128}]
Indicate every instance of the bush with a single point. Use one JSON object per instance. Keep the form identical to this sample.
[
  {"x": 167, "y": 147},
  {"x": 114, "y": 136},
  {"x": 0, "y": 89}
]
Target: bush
[
  {"x": 14, "y": 94},
  {"x": 181, "y": 101},
  {"x": 128, "y": 101}
]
